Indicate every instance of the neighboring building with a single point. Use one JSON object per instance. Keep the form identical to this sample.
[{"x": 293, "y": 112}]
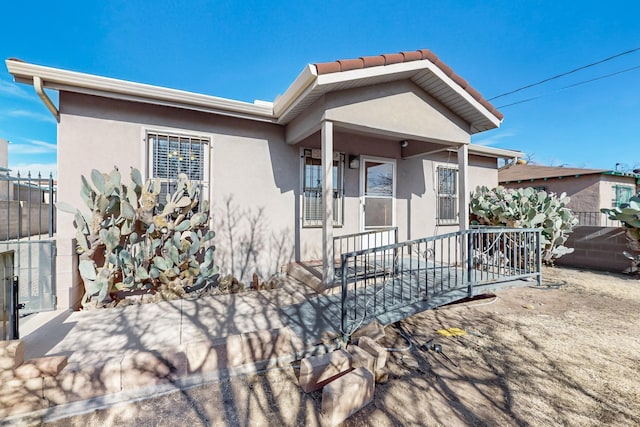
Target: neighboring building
[
  {"x": 395, "y": 128},
  {"x": 589, "y": 189},
  {"x": 24, "y": 201}
]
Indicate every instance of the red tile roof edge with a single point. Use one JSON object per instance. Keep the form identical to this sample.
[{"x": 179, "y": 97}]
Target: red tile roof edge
[{"x": 405, "y": 56}]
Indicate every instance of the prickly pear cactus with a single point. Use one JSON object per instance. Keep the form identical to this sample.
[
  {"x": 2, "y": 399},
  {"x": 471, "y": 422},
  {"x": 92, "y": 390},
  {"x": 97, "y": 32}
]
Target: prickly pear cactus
[
  {"x": 629, "y": 215},
  {"x": 527, "y": 208},
  {"x": 131, "y": 241}
]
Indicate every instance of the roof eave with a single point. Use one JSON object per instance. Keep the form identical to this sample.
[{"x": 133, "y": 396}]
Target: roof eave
[
  {"x": 72, "y": 81},
  {"x": 405, "y": 70},
  {"x": 300, "y": 87},
  {"x": 498, "y": 153}
]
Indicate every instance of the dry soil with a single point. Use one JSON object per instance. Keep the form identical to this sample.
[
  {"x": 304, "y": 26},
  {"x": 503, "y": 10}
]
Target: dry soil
[{"x": 565, "y": 353}]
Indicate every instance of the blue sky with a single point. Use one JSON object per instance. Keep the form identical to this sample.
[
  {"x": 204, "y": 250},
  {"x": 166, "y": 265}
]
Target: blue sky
[{"x": 254, "y": 49}]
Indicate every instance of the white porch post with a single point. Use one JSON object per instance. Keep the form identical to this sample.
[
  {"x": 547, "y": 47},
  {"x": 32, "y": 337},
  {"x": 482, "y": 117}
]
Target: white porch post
[
  {"x": 463, "y": 186},
  {"x": 327, "y": 202}
]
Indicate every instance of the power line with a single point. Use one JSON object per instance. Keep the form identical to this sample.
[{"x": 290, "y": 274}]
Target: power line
[
  {"x": 564, "y": 74},
  {"x": 570, "y": 86}
]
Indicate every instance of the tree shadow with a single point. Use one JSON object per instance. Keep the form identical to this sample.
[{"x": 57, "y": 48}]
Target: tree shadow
[{"x": 245, "y": 243}]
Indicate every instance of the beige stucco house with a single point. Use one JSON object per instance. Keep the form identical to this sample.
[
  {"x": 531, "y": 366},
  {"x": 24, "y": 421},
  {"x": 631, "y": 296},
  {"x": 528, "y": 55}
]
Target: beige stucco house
[
  {"x": 590, "y": 189},
  {"x": 351, "y": 145}
]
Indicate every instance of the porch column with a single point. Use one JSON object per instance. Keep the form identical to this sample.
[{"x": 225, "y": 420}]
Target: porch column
[
  {"x": 327, "y": 202},
  {"x": 463, "y": 186}
]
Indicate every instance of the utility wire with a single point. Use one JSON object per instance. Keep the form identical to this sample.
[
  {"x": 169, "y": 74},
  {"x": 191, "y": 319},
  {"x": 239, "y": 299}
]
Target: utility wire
[
  {"x": 570, "y": 86},
  {"x": 564, "y": 74}
]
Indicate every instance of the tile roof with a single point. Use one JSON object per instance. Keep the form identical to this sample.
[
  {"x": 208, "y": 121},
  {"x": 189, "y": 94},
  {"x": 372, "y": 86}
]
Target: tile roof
[
  {"x": 408, "y": 56},
  {"x": 524, "y": 172}
]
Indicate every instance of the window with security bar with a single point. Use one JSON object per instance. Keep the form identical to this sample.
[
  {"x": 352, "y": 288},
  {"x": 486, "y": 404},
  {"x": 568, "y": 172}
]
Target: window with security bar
[
  {"x": 621, "y": 194},
  {"x": 447, "y": 197},
  {"x": 174, "y": 154},
  {"x": 312, "y": 207}
]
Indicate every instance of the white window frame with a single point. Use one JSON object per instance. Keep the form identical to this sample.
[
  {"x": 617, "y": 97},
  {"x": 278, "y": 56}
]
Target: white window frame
[
  {"x": 338, "y": 211},
  {"x": 452, "y": 198},
  {"x": 205, "y": 140},
  {"x": 372, "y": 159}
]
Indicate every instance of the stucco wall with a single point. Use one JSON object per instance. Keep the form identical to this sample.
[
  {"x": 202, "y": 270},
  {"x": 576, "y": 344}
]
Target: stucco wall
[
  {"x": 607, "y": 184},
  {"x": 376, "y": 107},
  {"x": 583, "y": 190},
  {"x": 254, "y": 176}
]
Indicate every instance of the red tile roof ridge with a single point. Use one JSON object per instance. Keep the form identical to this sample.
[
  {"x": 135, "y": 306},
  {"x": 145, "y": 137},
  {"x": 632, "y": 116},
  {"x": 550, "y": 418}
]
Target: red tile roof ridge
[{"x": 405, "y": 56}]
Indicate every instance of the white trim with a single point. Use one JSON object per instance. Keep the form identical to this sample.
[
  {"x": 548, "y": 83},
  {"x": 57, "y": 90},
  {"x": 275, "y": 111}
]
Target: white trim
[
  {"x": 326, "y": 139},
  {"x": 393, "y": 162},
  {"x": 297, "y": 91},
  {"x": 463, "y": 187},
  {"x": 207, "y": 175},
  {"x": 341, "y": 158},
  {"x": 307, "y": 85},
  {"x": 57, "y": 79},
  {"x": 436, "y": 190},
  {"x": 484, "y": 150},
  {"x": 407, "y": 68}
]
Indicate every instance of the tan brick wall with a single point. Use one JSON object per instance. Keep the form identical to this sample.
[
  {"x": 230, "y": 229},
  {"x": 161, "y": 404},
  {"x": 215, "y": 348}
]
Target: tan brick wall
[{"x": 597, "y": 248}]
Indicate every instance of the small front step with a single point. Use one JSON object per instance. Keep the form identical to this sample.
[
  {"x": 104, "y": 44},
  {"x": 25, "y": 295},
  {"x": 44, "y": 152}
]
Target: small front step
[{"x": 307, "y": 273}]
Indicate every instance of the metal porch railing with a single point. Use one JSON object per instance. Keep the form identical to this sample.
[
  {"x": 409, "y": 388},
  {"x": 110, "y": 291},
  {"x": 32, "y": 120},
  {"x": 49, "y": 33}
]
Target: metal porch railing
[
  {"x": 359, "y": 241},
  {"x": 394, "y": 281}
]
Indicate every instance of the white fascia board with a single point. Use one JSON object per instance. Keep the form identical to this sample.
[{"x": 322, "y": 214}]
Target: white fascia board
[
  {"x": 407, "y": 68},
  {"x": 501, "y": 153},
  {"x": 301, "y": 86},
  {"x": 57, "y": 79}
]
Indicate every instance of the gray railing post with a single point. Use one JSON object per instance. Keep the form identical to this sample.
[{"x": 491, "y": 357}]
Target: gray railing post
[
  {"x": 395, "y": 251},
  {"x": 539, "y": 255},
  {"x": 343, "y": 321},
  {"x": 469, "y": 235}
]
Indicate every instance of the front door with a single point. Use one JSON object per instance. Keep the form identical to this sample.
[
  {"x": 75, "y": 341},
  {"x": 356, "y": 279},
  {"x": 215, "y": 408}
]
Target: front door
[{"x": 377, "y": 196}]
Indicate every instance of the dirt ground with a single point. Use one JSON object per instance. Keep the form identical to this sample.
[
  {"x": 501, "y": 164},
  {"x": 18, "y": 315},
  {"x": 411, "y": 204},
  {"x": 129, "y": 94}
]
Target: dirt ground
[{"x": 565, "y": 353}]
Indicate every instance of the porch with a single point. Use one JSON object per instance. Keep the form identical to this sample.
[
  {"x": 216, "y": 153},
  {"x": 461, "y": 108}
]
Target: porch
[{"x": 390, "y": 282}]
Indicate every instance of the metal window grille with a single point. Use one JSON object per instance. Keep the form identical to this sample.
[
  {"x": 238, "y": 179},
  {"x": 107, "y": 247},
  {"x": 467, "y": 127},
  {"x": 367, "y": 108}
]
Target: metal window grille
[
  {"x": 174, "y": 154},
  {"x": 312, "y": 209},
  {"x": 622, "y": 194},
  {"x": 447, "y": 195}
]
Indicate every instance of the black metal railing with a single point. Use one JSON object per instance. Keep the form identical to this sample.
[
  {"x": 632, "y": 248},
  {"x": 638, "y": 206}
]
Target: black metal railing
[
  {"x": 403, "y": 278},
  {"x": 27, "y": 208},
  {"x": 27, "y": 227},
  {"x": 360, "y": 241}
]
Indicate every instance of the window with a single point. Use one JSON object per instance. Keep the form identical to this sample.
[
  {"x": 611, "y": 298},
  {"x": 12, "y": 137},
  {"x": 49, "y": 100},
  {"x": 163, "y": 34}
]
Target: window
[
  {"x": 174, "y": 154},
  {"x": 312, "y": 209},
  {"x": 447, "y": 197},
  {"x": 621, "y": 194}
]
